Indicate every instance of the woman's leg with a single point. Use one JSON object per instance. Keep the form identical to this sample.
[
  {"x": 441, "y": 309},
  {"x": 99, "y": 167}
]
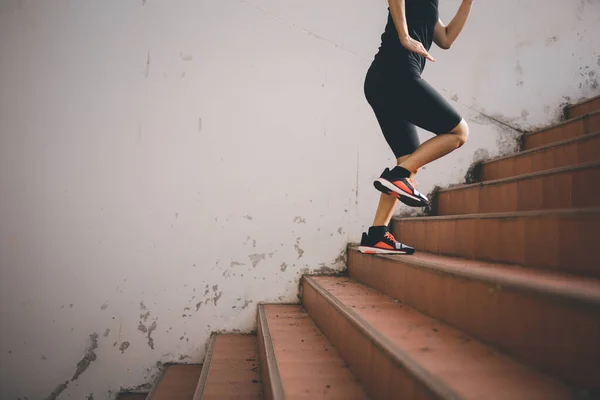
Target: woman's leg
[
  {"x": 430, "y": 111},
  {"x": 387, "y": 205},
  {"x": 436, "y": 147}
]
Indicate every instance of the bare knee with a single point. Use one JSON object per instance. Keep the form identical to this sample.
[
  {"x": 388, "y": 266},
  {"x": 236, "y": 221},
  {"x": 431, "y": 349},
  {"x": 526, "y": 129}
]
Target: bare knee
[{"x": 462, "y": 132}]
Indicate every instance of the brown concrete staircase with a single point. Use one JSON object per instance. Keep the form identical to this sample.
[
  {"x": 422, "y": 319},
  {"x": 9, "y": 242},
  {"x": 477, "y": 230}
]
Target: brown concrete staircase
[{"x": 501, "y": 301}]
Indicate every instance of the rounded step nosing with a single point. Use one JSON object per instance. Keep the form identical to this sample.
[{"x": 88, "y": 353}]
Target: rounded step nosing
[{"x": 272, "y": 367}]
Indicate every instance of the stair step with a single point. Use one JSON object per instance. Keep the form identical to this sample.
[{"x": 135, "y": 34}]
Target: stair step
[
  {"x": 584, "y": 107},
  {"x": 178, "y": 382},
  {"x": 547, "y": 320},
  {"x": 562, "y": 240},
  {"x": 297, "y": 360},
  {"x": 567, "y": 187},
  {"x": 231, "y": 369},
  {"x": 400, "y": 353},
  {"x": 583, "y": 125},
  {"x": 570, "y": 152}
]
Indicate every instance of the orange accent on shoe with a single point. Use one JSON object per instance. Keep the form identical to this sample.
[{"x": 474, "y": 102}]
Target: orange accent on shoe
[
  {"x": 403, "y": 187},
  {"x": 383, "y": 245},
  {"x": 389, "y": 236},
  {"x": 369, "y": 252}
]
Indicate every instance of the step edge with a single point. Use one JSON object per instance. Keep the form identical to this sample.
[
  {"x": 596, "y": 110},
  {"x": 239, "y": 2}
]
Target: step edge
[
  {"x": 582, "y": 102},
  {"x": 582, "y": 138},
  {"x": 272, "y": 366},
  {"x": 506, "y": 215},
  {"x": 394, "y": 352},
  {"x": 568, "y": 121},
  {"x": 523, "y": 177},
  {"x": 529, "y": 285},
  {"x": 199, "y": 393}
]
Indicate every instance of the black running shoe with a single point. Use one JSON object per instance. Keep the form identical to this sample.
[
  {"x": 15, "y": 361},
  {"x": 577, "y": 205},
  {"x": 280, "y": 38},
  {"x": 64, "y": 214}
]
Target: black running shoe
[
  {"x": 382, "y": 242},
  {"x": 402, "y": 188}
]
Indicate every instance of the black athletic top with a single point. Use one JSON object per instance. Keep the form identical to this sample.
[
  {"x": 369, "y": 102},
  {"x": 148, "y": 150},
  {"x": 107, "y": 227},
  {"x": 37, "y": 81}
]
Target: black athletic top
[{"x": 421, "y": 18}]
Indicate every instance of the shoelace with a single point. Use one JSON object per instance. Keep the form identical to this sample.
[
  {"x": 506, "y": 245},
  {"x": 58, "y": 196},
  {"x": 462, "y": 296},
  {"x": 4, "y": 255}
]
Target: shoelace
[
  {"x": 413, "y": 182},
  {"x": 389, "y": 236}
]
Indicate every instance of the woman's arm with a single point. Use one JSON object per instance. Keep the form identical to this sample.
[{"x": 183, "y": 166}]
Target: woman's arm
[
  {"x": 397, "y": 9},
  {"x": 443, "y": 35}
]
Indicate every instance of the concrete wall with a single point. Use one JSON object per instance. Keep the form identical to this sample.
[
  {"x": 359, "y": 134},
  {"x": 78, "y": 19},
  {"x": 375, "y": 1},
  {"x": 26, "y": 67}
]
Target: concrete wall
[{"x": 166, "y": 165}]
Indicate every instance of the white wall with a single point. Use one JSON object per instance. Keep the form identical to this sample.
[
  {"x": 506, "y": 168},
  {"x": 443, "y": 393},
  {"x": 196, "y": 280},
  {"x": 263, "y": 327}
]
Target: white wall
[{"x": 166, "y": 165}]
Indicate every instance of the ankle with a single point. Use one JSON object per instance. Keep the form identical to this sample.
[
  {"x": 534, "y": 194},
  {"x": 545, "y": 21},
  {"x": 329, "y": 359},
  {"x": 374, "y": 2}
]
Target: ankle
[
  {"x": 401, "y": 171},
  {"x": 378, "y": 230}
]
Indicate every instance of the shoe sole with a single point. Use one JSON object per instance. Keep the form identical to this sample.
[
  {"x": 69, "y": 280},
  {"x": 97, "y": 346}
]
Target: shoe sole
[
  {"x": 375, "y": 250},
  {"x": 387, "y": 187}
]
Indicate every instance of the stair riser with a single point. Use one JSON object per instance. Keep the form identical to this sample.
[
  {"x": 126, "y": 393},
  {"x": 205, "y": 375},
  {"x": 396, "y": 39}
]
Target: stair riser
[
  {"x": 554, "y": 157},
  {"x": 556, "y": 336},
  {"x": 380, "y": 377},
  {"x": 587, "y": 124},
  {"x": 569, "y": 189},
  {"x": 559, "y": 242},
  {"x": 582, "y": 109}
]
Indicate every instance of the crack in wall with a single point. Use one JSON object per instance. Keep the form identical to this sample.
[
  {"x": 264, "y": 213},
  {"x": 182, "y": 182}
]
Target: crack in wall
[{"x": 303, "y": 30}]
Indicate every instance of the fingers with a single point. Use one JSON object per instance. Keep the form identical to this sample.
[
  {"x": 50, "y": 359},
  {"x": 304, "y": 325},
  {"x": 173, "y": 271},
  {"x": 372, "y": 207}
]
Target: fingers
[
  {"x": 429, "y": 57},
  {"x": 422, "y": 51},
  {"x": 417, "y": 47}
]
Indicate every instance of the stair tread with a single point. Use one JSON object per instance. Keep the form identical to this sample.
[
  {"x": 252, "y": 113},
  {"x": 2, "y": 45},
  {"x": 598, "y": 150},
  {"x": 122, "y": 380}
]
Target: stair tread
[
  {"x": 309, "y": 366},
  {"x": 233, "y": 369},
  {"x": 177, "y": 383},
  {"x": 531, "y": 175},
  {"x": 514, "y": 214},
  {"x": 543, "y": 148},
  {"x": 456, "y": 365},
  {"x": 562, "y": 123},
  {"x": 569, "y": 287}
]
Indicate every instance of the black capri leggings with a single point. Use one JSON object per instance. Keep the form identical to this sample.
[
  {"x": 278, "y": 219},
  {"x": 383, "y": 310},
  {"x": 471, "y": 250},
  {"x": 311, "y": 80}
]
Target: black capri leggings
[{"x": 402, "y": 101}]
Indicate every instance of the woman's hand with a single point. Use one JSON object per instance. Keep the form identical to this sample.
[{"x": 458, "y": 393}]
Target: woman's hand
[{"x": 416, "y": 47}]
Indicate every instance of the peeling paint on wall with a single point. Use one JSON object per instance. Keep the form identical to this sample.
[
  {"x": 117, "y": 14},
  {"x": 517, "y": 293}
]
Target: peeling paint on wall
[
  {"x": 89, "y": 357},
  {"x": 216, "y": 296},
  {"x": 124, "y": 346},
  {"x": 142, "y": 328},
  {"x": 147, "y": 64},
  {"x": 186, "y": 57},
  {"x": 256, "y": 258},
  {"x": 57, "y": 391},
  {"x": 151, "y": 329},
  {"x": 298, "y": 249}
]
